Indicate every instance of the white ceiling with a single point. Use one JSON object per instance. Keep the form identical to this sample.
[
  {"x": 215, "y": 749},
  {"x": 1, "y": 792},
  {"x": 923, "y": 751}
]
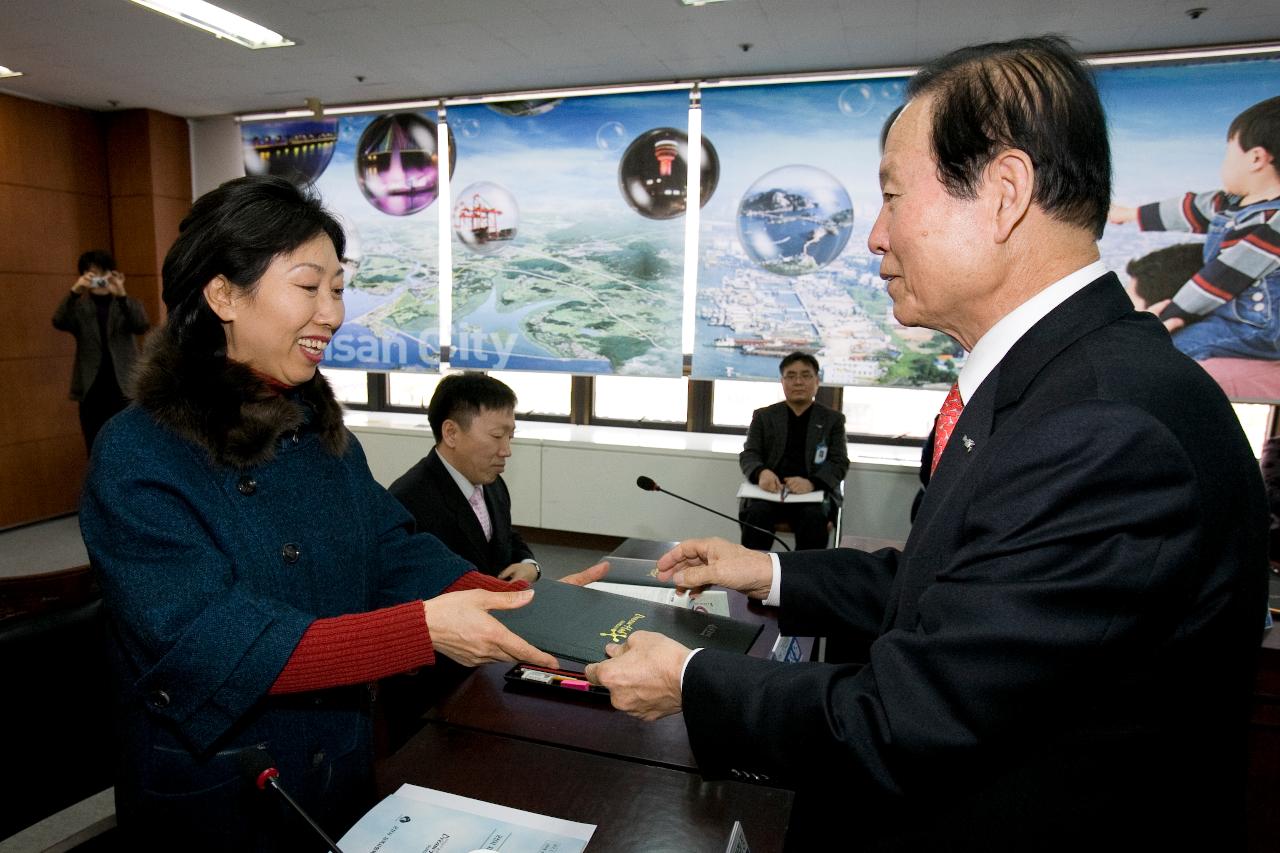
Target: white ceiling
[{"x": 102, "y": 54}]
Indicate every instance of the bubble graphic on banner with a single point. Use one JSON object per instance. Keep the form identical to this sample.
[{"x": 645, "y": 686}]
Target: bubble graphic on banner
[
  {"x": 893, "y": 91},
  {"x": 533, "y": 107},
  {"x": 856, "y": 100},
  {"x": 296, "y": 150},
  {"x": 795, "y": 220},
  {"x": 468, "y": 128},
  {"x": 396, "y": 163},
  {"x": 654, "y": 169},
  {"x": 486, "y": 217},
  {"x": 611, "y": 136}
]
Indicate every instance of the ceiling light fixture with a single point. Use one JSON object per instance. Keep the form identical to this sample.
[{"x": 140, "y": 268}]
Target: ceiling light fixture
[
  {"x": 218, "y": 21},
  {"x": 699, "y": 2},
  {"x": 9, "y": 72}
]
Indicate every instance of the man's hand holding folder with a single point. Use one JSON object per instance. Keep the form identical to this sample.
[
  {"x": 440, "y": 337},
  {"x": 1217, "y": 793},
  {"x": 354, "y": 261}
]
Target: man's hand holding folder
[{"x": 644, "y": 673}]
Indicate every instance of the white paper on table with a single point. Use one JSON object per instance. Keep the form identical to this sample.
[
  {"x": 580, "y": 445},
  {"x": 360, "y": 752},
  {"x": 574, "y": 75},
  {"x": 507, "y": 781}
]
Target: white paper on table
[
  {"x": 751, "y": 490},
  {"x": 713, "y": 601},
  {"x": 422, "y": 820}
]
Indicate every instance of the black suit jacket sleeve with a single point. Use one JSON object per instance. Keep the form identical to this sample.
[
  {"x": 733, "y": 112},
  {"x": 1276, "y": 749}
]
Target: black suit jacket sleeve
[
  {"x": 830, "y": 473},
  {"x": 754, "y": 452},
  {"x": 500, "y": 511},
  {"x": 1070, "y": 560}
]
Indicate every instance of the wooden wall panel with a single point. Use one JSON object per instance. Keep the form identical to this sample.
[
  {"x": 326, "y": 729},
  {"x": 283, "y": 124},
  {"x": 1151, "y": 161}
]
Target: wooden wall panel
[
  {"x": 52, "y": 147},
  {"x": 133, "y": 228},
  {"x": 40, "y": 479},
  {"x": 169, "y": 213},
  {"x": 27, "y": 301},
  {"x": 71, "y": 180},
  {"x": 146, "y": 289},
  {"x": 129, "y": 153},
  {"x": 46, "y": 230},
  {"x": 46, "y": 410},
  {"x": 170, "y": 156}
]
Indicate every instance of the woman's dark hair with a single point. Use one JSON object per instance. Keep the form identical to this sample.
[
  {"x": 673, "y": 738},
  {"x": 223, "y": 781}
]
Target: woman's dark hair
[
  {"x": 235, "y": 231},
  {"x": 1030, "y": 94},
  {"x": 99, "y": 258}
]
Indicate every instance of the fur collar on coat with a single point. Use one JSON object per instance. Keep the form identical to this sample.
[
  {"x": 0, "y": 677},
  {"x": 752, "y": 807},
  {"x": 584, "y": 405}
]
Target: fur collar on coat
[{"x": 228, "y": 409}]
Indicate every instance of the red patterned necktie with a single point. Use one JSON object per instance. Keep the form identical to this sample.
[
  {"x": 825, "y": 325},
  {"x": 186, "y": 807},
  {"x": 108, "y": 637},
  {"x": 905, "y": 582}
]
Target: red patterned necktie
[{"x": 947, "y": 417}]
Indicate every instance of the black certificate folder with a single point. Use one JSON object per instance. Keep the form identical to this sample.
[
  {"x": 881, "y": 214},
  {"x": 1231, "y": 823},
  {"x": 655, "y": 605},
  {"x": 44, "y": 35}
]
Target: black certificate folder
[{"x": 574, "y": 622}]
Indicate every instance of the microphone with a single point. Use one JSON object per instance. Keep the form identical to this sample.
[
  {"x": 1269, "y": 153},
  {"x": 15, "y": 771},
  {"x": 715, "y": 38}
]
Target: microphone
[
  {"x": 259, "y": 767},
  {"x": 649, "y": 485}
]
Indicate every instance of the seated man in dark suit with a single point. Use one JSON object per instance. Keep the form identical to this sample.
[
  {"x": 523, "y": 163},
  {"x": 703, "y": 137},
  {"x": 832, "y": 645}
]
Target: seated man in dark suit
[
  {"x": 456, "y": 492},
  {"x": 794, "y": 447}
]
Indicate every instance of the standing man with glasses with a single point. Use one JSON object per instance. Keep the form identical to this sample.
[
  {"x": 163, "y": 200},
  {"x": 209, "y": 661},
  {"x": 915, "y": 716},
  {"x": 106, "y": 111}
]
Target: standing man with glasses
[{"x": 794, "y": 448}]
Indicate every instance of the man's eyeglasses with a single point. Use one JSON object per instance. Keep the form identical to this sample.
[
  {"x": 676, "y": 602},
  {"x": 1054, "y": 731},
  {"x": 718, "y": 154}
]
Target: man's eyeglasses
[{"x": 806, "y": 376}]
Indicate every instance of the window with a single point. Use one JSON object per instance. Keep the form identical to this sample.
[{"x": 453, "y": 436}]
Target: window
[
  {"x": 734, "y": 401},
  {"x": 412, "y": 390},
  {"x": 891, "y": 412},
  {"x": 1253, "y": 420},
  {"x": 641, "y": 399},
  {"x": 349, "y": 386},
  {"x": 539, "y": 393}
]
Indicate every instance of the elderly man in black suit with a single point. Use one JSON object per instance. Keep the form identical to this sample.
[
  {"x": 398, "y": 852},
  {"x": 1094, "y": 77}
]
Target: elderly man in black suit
[
  {"x": 1062, "y": 655},
  {"x": 456, "y": 491},
  {"x": 794, "y": 447}
]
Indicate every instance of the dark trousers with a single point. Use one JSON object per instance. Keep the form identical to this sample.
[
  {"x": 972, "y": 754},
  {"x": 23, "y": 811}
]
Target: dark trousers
[
  {"x": 808, "y": 521},
  {"x": 101, "y": 403}
]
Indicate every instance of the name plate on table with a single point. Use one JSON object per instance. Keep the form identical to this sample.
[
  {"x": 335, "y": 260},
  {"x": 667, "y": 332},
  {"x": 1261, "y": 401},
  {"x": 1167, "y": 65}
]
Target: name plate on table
[{"x": 576, "y": 623}]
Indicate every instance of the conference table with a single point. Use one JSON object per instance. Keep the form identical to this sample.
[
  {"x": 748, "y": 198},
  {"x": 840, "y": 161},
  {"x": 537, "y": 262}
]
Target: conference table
[{"x": 576, "y": 758}]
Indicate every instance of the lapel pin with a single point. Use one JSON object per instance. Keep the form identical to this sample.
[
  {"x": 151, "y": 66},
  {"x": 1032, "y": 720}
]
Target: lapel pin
[{"x": 968, "y": 444}]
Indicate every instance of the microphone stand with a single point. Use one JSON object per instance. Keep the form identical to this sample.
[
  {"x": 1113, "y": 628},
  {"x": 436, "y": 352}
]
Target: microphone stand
[{"x": 649, "y": 485}]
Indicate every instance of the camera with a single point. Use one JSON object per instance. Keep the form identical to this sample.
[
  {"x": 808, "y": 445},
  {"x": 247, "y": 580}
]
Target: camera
[{"x": 98, "y": 282}]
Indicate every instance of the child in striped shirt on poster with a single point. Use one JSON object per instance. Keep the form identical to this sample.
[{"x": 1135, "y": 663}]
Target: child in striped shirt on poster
[{"x": 1231, "y": 307}]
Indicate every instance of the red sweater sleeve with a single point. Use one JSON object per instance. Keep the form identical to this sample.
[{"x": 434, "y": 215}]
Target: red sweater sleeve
[{"x": 362, "y": 647}]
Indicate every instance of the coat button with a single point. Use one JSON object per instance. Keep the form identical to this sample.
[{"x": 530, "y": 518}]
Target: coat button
[
  {"x": 317, "y": 759},
  {"x": 247, "y": 486},
  {"x": 291, "y": 553},
  {"x": 159, "y": 699}
]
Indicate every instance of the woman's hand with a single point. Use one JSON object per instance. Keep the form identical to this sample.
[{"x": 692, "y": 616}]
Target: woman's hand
[
  {"x": 462, "y": 629},
  {"x": 591, "y": 574}
]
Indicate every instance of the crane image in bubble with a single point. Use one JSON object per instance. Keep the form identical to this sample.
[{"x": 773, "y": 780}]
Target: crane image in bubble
[{"x": 481, "y": 219}]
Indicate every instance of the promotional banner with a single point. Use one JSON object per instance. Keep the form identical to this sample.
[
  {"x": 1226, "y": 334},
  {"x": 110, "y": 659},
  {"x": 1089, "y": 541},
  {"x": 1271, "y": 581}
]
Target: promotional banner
[
  {"x": 379, "y": 175},
  {"x": 568, "y": 224},
  {"x": 784, "y": 264},
  {"x": 1179, "y": 230}
]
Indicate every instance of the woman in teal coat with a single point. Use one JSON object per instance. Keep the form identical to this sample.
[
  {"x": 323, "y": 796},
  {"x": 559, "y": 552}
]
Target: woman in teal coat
[{"x": 257, "y": 578}]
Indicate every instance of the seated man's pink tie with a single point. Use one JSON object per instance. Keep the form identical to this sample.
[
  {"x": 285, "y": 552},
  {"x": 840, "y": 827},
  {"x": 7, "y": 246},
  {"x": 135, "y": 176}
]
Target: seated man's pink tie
[{"x": 482, "y": 512}]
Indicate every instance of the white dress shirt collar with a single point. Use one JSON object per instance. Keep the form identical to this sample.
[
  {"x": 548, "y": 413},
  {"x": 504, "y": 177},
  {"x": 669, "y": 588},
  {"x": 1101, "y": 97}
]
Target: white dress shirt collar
[
  {"x": 992, "y": 347},
  {"x": 464, "y": 485}
]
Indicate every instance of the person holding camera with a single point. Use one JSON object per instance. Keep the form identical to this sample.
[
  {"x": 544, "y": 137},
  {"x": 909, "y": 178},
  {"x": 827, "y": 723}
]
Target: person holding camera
[{"x": 104, "y": 321}]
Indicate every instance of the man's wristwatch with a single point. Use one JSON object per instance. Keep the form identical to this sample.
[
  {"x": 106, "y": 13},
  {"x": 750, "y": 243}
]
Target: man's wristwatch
[{"x": 537, "y": 569}]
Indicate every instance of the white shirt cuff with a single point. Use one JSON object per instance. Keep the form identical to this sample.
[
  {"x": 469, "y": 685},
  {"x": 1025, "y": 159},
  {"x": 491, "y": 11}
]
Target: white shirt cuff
[
  {"x": 775, "y": 587},
  {"x": 687, "y": 658}
]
